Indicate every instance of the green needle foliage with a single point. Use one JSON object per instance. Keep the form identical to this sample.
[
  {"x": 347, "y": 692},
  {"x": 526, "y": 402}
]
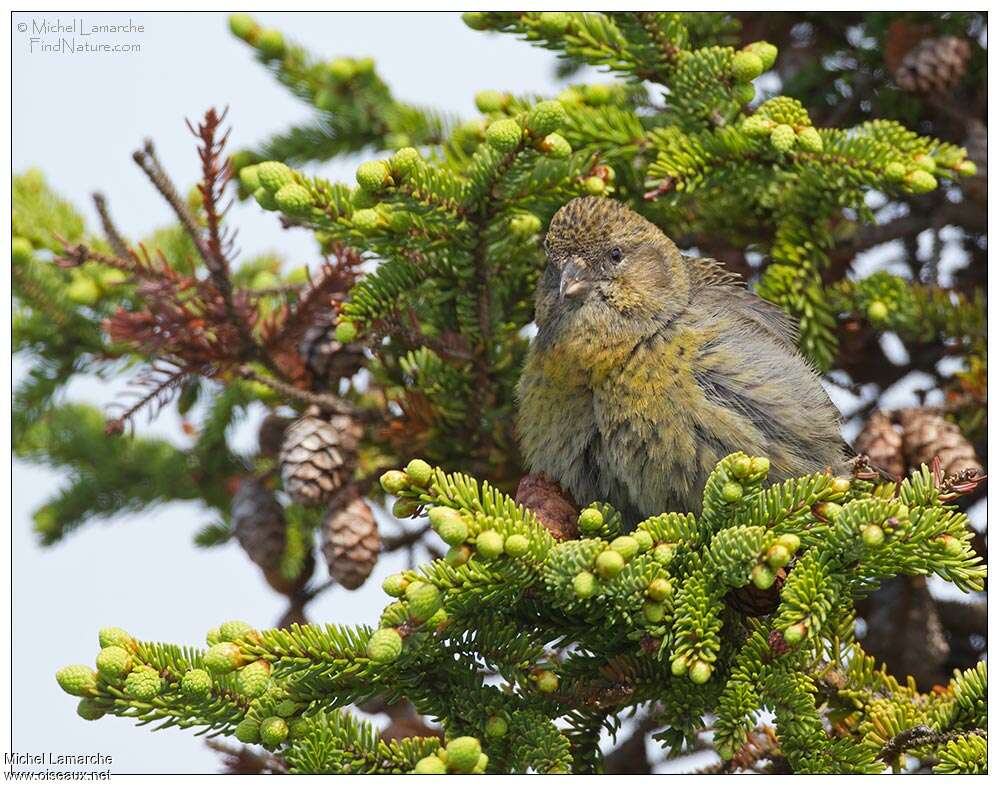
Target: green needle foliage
[{"x": 531, "y": 646}]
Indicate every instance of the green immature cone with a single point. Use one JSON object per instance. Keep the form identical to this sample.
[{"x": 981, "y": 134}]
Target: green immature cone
[
  {"x": 449, "y": 524},
  {"x": 113, "y": 662},
  {"x": 385, "y": 645},
  {"x": 654, "y": 612},
  {"x": 609, "y": 563},
  {"x": 644, "y": 540},
  {"x": 895, "y": 171},
  {"x": 594, "y": 186},
  {"x": 556, "y": 146},
  {"x": 273, "y": 175},
  {"x": 757, "y": 125},
  {"x": 395, "y": 585},
  {"x": 223, "y": 658},
  {"x": 242, "y": 25},
  {"x": 249, "y": 178},
  {"x": 547, "y": 681},
  {"x": 90, "y": 710},
  {"x": 921, "y": 182},
  {"x": 659, "y": 589},
  {"x": 700, "y": 672},
  {"x": 743, "y": 92},
  {"x": 77, "y": 680},
  {"x": 342, "y": 69},
  {"x": 252, "y": 680},
  {"x": 430, "y": 765},
  {"x": 525, "y": 225},
  {"x": 406, "y": 161},
  {"x": 424, "y": 600},
  {"x": 248, "y": 731},
  {"x": 489, "y": 544},
  {"x": 496, "y": 726},
  {"x": 790, "y": 541},
  {"x": 766, "y": 51},
  {"x": 504, "y": 135},
  {"x": 545, "y": 118},
  {"x": 489, "y": 101},
  {"x": 877, "y": 312},
  {"x": 553, "y": 23},
  {"x": 463, "y": 754},
  {"x": 420, "y": 472},
  {"x": 346, "y": 332},
  {"x": 457, "y": 556},
  {"x": 584, "y": 584},
  {"x": 196, "y": 684},
  {"x": 782, "y": 138},
  {"x": 746, "y": 66},
  {"x": 270, "y": 43},
  {"x": 394, "y": 481},
  {"x": 143, "y": 683},
  {"x": 952, "y": 546},
  {"x": 234, "y": 630},
  {"x": 273, "y": 731},
  {"x": 373, "y": 176},
  {"x": 810, "y": 140},
  {"x": 778, "y": 557},
  {"x": 795, "y": 634},
  {"x": 517, "y": 545},
  {"x": 762, "y": 577},
  {"x": 626, "y": 546},
  {"x": 678, "y": 666},
  {"x": 405, "y": 508},
  {"x": 590, "y": 521},
  {"x": 731, "y": 492},
  {"x": 293, "y": 199},
  {"x": 872, "y": 535}
]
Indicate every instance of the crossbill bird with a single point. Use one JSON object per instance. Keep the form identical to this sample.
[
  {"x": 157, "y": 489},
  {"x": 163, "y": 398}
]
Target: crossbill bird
[{"x": 649, "y": 367}]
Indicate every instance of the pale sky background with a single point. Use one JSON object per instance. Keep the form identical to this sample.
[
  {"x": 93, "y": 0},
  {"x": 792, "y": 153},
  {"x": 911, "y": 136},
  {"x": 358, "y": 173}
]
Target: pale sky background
[{"x": 79, "y": 117}]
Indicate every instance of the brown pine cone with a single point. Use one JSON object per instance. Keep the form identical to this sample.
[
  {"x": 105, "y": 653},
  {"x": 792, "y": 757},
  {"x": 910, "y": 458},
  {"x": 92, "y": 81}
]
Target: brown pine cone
[
  {"x": 259, "y": 527},
  {"x": 271, "y": 434},
  {"x": 350, "y": 539},
  {"x": 926, "y": 434},
  {"x": 545, "y": 498},
  {"x": 317, "y": 457},
  {"x": 882, "y": 444},
  {"x": 934, "y": 65},
  {"x": 327, "y": 360}
]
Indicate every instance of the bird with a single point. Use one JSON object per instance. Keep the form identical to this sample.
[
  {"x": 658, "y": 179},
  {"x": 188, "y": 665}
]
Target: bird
[{"x": 648, "y": 367}]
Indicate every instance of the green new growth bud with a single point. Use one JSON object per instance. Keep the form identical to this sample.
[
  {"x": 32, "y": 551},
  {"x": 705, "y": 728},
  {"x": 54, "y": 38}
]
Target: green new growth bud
[
  {"x": 361, "y": 200},
  {"x": 249, "y": 178},
  {"x": 346, "y": 331},
  {"x": 778, "y": 556},
  {"x": 274, "y": 174},
  {"x": 242, "y": 25},
  {"x": 20, "y": 249},
  {"x": 83, "y": 290},
  {"x": 248, "y": 731},
  {"x": 967, "y": 168},
  {"x": 365, "y": 220},
  {"x": 700, "y": 672},
  {"x": 517, "y": 545},
  {"x": 594, "y": 186},
  {"x": 115, "y": 637},
  {"x": 782, "y": 138},
  {"x": 626, "y": 546},
  {"x": 196, "y": 684},
  {"x": 790, "y": 541},
  {"x": 234, "y": 630},
  {"x": 746, "y": 66},
  {"x": 644, "y": 540},
  {"x": 496, "y": 726},
  {"x": 405, "y": 161},
  {"x": 341, "y": 69},
  {"x": 828, "y": 510},
  {"x": 678, "y": 666},
  {"x": 731, "y": 491},
  {"x": 546, "y": 117},
  {"x": 481, "y": 764},
  {"x": 463, "y": 754},
  {"x": 609, "y": 563},
  {"x": 895, "y": 171},
  {"x": 926, "y": 163},
  {"x": 654, "y": 612},
  {"x": 252, "y": 680},
  {"x": 212, "y": 637},
  {"x": 504, "y": 135},
  {"x": 809, "y": 139},
  {"x": 77, "y": 680},
  {"x": 921, "y": 182},
  {"x": 659, "y": 589},
  {"x": 757, "y": 125},
  {"x": 424, "y": 600},
  {"x": 795, "y": 634},
  {"x": 556, "y": 146},
  {"x": 547, "y": 681},
  {"x": 90, "y": 710},
  {"x": 293, "y": 199},
  {"x": 457, "y": 555},
  {"x": 385, "y": 645},
  {"x": 451, "y": 527},
  {"x": 430, "y": 765},
  {"x": 877, "y": 312},
  {"x": 488, "y": 101},
  {"x": 405, "y": 508},
  {"x": 298, "y": 728},
  {"x": 584, "y": 584},
  {"x": 265, "y": 199},
  {"x": 762, "y": 577},
  {"x": 113, "y": 662},
  {"x": 287, "y": 708},
  {"x": 663, "y": 553},
  {"x": 440, "y": 617},
  {"x": 525, "y": 225},
  {"x": 742, "y": 467},
  {"x": 420, "y": 472},
  {"x": 590, "y": 520},
  {"x": 373, "y": 176},
  {"x": 223, "y": 658},
  {"x": 476, "y": 20},
  {"x": 597, "y": 94},
  {"x": 764, "y": 50},
  {"x": 392, "y": 481},
  {"x": 571, "y": 96},
  {"x": 489, "y": 544},
  {"x": 952, "y": 546},
  {"x": 273, "y": 731},
  {"x": 743, "y": 92},
  {"x": 270, "y": 43},
  {"x": 143, "y": 683},
  {"x": 553, "y": 23}
]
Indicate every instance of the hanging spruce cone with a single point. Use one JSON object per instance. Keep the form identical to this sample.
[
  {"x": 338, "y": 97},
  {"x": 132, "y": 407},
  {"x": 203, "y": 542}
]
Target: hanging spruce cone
[
  {"x": 327, "y": 359},
  {"x": 317, "y": 457},
  {"x": 350, "y": 539},
  {"x": 259, "y": 526},
  {"x": 934, "y": 65},
  {"x": 926, "y": 434},
  {"x": 882, "y": 444}
]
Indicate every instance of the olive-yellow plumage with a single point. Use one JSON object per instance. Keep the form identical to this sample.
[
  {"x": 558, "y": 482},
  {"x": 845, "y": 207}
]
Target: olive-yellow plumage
[{"x": 649, "y": 367}]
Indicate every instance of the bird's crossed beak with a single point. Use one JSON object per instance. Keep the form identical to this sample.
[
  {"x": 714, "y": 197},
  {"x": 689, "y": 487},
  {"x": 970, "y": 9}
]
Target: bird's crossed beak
[{"x": 573, "y": 281}]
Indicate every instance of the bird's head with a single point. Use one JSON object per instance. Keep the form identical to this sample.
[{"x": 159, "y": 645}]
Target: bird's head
[{"x": 606, "y": 262}]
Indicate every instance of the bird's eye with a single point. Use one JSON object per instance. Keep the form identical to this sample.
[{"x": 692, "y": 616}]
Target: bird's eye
[{"x": 615, "y": 255}]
